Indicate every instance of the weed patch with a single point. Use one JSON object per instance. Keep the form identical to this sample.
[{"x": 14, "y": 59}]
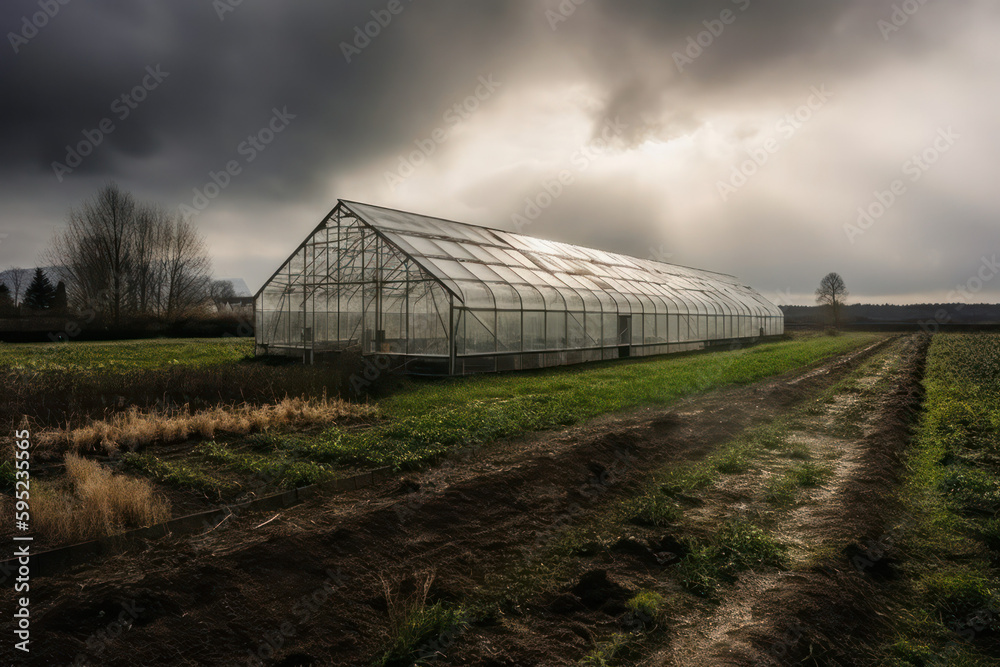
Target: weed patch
[
  {"x": 177, "y": 474},
  {"x": 737, "y": 546}
]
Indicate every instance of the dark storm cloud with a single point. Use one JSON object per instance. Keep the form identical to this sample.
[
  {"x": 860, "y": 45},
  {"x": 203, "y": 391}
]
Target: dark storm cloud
[
  {"x": 226, "y": 73},
  {"x": 225, "y": 76}
]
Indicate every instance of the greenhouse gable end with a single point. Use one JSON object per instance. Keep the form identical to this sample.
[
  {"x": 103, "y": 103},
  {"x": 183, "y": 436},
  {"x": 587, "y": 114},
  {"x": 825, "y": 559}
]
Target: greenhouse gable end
[{"x": 435, "y": 296}]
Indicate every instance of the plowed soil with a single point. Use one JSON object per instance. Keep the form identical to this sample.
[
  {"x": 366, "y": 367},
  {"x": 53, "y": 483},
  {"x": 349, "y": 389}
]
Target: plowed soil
[{"x": 305, "y": 586}]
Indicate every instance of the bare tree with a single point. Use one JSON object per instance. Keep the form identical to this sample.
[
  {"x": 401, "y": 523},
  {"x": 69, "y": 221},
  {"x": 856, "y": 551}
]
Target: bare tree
[
  {"x": 127, "y": 259},
  {"x": 16, "y": 274},
  {"x": 97, "y": 249},
  {"x": 188, "y": 269},
  {"x": 152, "y": 226},
  {"x": 222, "y": 290},
  {"x": 832, "y": 292}
]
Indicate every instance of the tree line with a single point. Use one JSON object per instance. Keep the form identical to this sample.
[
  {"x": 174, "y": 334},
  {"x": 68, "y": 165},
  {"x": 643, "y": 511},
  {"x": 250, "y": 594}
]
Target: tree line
[
  {"x": 40, "y": 295},
  {"x": 124, "y": 260}
]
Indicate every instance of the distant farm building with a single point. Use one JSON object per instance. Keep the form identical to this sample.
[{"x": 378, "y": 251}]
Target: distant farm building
[{"x": 435, "y": 296}]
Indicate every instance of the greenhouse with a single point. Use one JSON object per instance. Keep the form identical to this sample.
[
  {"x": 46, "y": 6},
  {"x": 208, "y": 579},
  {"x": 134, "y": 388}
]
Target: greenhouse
[{"x": 427, "y": 295}]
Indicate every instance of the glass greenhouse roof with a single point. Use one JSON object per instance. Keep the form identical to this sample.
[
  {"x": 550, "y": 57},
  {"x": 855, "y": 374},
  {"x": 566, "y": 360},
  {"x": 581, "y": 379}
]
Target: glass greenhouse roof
[{"x": 476, "y": 263}]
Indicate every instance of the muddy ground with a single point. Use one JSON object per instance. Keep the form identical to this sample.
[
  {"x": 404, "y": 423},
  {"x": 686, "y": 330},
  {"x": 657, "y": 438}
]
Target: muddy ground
[{"x": 306, "y": 586}]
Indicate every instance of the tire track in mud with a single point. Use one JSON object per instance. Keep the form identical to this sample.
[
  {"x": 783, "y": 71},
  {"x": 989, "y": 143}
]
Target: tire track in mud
[
  {"x": 307, "y": 586},
  {"x": 829, "y": 612}
]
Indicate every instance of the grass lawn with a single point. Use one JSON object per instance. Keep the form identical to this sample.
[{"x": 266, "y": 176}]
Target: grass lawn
[{"x": 124, "y": 355}]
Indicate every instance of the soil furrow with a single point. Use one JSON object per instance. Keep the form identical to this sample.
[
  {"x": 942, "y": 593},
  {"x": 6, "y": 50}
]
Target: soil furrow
[{"x": 307, "y": 587}]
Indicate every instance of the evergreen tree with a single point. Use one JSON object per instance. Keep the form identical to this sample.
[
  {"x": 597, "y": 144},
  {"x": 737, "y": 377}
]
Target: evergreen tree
[{"x": 41, "y": 293}]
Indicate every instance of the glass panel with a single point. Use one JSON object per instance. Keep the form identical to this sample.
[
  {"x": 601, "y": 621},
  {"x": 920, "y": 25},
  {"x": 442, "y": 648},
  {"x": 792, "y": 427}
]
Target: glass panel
[
  {"x": 531, "y": 299},
  {"x": 534, "y": 331},
  {"x": 450, "y": 268},
  {"x": 425, "y": 246},
  {"x": 555, "y": 330},
  {"x": 553, "y": 300},
  {"x": 512, "y": 258},
  {"x": 515, "y": 240},
  {"x": 456, "y": 250},
  {"x": 401, "y": 242},
  {"x": 570, "y": 280},
  {"x": 506, "y": 297},
  {"x": 573, "y": 300},
  {"x": 527, "y": 276},
  {"x": 507, "y": 274},
  {"x": 575, "y": 330},
  {"x": 509, "y": 331},
  {"x": 550, "y": 279},
  {"x": 610, "y": 329},
  {"x": 591, "y": 303},
  {"x": 482, "y": 272},
  {"x": 593, "y": 329},
  {"x": 476, "y": 295},
  {"x": 479, "y": 328},
  {"x": 482, "y": 254}
]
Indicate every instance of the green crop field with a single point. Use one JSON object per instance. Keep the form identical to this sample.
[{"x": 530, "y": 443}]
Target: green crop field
[
  {"x": 428, "y": 420},
  {"x": 124, "y": 355},
  {"x": 425, "y": 420},
  {"x": 953, "y": 497}
]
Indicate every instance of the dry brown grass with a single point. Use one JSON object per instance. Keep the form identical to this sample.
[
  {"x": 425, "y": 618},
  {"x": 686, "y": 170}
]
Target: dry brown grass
[
  {"x": 134, "y": 429},
  {"x": 93, "y": 502},
  {"x": 402, "y": 607}
]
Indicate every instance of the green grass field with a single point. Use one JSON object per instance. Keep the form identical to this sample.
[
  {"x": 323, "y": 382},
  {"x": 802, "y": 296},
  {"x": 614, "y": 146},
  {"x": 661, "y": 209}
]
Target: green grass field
[
  {"x": 425, "y": 420},
  {"x": 124, "y": 355},
  {"x": 422, "y": 420}
]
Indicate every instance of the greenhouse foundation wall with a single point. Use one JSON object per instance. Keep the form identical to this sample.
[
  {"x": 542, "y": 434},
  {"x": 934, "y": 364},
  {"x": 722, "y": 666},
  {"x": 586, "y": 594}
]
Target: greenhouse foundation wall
[{"x": 499, "y": 363}]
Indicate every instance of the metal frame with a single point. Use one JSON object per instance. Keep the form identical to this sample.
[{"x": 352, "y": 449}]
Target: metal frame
[{"x": 414, "y": 287}]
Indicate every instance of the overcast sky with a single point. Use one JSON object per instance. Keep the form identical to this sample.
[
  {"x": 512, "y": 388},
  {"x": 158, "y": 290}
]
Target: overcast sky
[{"x": 741, "y": 136}]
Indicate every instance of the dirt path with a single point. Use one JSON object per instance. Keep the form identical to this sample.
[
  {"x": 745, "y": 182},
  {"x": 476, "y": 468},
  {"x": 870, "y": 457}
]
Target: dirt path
[
  {"x": 827, "y": 609},
  {"x": 306, "y": 587}
]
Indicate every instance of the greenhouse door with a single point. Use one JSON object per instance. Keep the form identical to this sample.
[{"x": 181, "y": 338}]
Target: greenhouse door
[{"x": 624, "y": 335}]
